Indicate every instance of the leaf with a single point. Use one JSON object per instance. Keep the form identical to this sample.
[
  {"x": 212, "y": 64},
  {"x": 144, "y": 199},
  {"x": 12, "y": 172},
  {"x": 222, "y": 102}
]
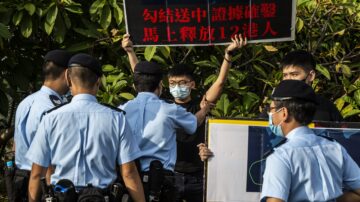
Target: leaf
[
  {"x": 74, "y": 9},
  {"x": 346, "y": 70},
  {"x": 323, "y": 70},
  {"x": 39, "y": 12},
  {"x": 299, "y": 24},
  {"x": 260, "y": 70},
  {"x": 87, "y": 32},
  {"x": 105, "y": 17},
  {"x": 17, "y": 18},
  {"x": 66, "y": 20},
  {"x": 30, "y": 8},
  {"x": 107, "y": 68},
  {"x": 149, "y": 52},
  {"x": 80, "y": 46},
  {"x": 340, "y": 33},
  {"x": 357, "y": 97},
  {"x": 4, "y": 31},
  {"x": 98, "y": 4},
  {"x": 339, "y": 103},
  {"x": 270, "y": 48},
  {"x": 26, "y": 27},
  {"x": 127, "y": 96},
  {"x": 50, "y": 19},
  {"x": 210, "y": 79},
  {"x": 60, "y": 30},
  {"x": 118, "y": 14}
]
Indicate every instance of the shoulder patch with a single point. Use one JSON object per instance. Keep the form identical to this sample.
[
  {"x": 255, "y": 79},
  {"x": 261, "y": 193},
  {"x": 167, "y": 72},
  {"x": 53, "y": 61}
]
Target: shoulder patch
[
  {"x": 272, "y": 150},
  {"x": 55, "y": 100},
  {"x": 113, "y": 108},
  {"x": 327, "y": 137}
]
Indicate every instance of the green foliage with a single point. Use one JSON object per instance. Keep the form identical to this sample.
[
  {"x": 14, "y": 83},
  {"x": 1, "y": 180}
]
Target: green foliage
[{"x": 327, "y": 28}]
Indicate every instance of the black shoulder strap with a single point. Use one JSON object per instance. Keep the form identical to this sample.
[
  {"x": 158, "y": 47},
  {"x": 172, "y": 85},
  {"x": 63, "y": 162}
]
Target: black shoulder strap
[
  {"x": 57, "y": 107},
  {"x": 272, "y": 150},
  {"x": 55, "y": 100},
  {"x": 113, "y": 108},
  {"x": 327, "y": 137}
]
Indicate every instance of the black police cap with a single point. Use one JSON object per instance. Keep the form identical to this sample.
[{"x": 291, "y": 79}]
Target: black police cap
[
  {"x": 145, "y": 67},
  {"x": 294, "y": 89},
  {"x": 59, "y": 57},
  {"x": 87, "y": 61}
]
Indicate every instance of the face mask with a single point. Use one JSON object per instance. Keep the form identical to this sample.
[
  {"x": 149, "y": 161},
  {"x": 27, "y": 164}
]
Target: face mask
[
  {"x": 180, "y": 92},
  {"x": 276, "y": 129}
]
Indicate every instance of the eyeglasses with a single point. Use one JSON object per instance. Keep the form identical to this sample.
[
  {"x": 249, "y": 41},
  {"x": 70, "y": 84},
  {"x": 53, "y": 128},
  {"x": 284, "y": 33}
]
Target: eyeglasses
[
  {"x": 181, "y": 83},
  {"x": 271, "y": 108}
]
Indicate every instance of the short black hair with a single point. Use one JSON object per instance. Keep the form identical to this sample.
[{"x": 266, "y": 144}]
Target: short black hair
[
  {"x": 299, "y": 58},
  {"x": 52, "y": 71},
  {"x": 181, "y": 70},
  {"x": 302, "y": 111},
  {"x": 83, "y": 76},
  {"x": 146, "y": 82}
]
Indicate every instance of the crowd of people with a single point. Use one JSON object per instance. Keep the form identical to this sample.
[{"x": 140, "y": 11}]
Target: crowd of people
[{"x": 152, "y": 149}]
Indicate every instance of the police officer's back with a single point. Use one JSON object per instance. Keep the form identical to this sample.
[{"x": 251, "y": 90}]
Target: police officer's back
[
  {"x": 306, "y": 167},
  {"x": 84, "y": 140},
  {"x": 31, "y": 109},
  {"x": 154, "y": 121}
]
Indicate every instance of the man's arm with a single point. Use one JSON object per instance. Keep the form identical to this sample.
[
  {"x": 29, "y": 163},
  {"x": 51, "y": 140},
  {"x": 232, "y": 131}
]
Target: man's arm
[
  {"x": 205, "y": 108},
  {"x": 128, "y": 47},
  {"x": 215, "y": 90},
  {"x": 37, "y": 172},
  {"x": 350, "y": 196},
  {"x": 274, "y": 200},
  {"x": 132, "y": 181}
]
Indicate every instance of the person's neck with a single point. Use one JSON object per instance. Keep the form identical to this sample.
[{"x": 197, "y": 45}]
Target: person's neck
[
  {"x": 288, "y": 127},
  {"x": 79, "y": 90},
  {"x": 55, "y": 85},
  {"x": 182, "y": 101}
]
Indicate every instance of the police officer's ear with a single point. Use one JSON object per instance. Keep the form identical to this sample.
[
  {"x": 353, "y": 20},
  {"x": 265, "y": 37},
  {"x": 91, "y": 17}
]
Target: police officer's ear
[
  {"x": 285, "y": 115},
  {"x": 67, "y": 77}
]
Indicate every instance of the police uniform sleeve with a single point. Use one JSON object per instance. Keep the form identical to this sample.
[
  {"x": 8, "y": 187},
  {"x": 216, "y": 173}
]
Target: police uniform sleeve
[
  {"x": 185, "y": 120},
  {"x": 276, "y": 179},
  {"x": 351, "y": 172},
  {"x": 129, "y": 149},
  {"x": 39, "y": 151}
]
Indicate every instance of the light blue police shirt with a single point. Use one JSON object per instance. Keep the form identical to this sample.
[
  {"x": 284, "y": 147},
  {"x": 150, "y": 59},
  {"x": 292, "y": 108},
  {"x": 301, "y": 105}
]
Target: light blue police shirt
[
  {"x": 309, "y": 168},
  {"x": 154, "y": 123},
  {"x": 85, "y": 141},
  {"x": 27, "y": 119}
]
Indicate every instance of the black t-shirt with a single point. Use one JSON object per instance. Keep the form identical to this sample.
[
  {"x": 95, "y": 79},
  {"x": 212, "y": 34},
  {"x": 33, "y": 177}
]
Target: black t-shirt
[
  {"x": 188, "y": 160},
  {"x": 326, "y": 110}
]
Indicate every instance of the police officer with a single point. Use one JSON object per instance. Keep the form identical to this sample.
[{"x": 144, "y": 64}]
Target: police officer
[
  {"x": 154, "y": 121},
  {"x": 29, "y": 113},
  {"x": 84, "y": 140},
  {"x": 306, "y": 167},
  {"x": 300, "y": 65},
  {"x": 189, "y": 168}
]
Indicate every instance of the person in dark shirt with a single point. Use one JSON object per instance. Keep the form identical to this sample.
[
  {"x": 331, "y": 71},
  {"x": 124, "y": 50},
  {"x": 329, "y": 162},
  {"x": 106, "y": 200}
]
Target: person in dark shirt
[
  {"x": 300, "y": 65},
  {"x": 189, "y": 167}
]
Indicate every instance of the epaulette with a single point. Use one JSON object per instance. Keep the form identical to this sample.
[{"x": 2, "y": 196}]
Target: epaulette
[
  {"x": 54, "y": 108},
  {"x": 113, "y": 108},
  {"x": 55, "y": 100},
  {"x": 327, "y": 137},
  {"x": 272, "y": 150}
]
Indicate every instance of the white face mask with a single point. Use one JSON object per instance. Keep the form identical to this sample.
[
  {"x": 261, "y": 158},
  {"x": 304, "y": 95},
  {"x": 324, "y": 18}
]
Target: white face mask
[{"x": 180, "y": 92}]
